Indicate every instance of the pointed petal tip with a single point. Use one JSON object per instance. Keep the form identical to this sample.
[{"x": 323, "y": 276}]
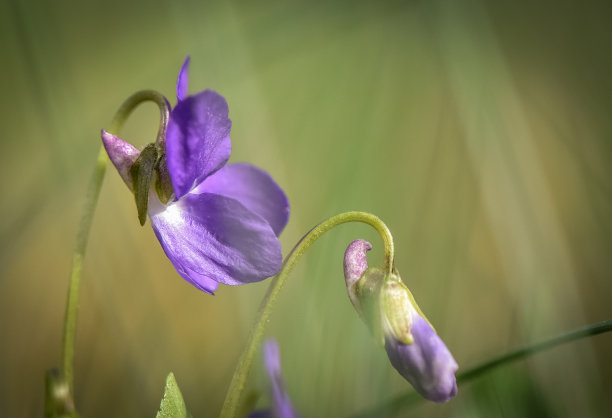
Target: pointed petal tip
[
  {"x": 282, "y": 405},
  {"x": 206, "y": 289},
  {"x": 122, "y": 155},
  {"x": 182, "y": 83},
  {"x": 107, "y": 138},
  {"x": 272, "y": 356}
]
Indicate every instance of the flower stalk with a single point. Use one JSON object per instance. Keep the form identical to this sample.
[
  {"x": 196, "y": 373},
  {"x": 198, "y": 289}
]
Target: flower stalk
[
  {"x": 89, "y": 208},
  {"x": 232, "y": 399}
]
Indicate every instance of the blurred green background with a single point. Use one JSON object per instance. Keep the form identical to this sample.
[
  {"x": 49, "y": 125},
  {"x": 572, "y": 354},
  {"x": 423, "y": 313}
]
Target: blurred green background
[{"x": 480, "y": 132}]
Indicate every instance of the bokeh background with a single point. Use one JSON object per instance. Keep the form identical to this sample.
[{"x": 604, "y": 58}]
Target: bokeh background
[{"x": 480, "y": 132}]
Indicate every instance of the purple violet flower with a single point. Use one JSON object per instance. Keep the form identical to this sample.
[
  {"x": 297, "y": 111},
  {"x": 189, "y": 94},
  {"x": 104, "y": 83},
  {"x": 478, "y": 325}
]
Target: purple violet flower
[
  {"x": 412, "y": 345},
  {"x": 222, "y": 223},
  {"x": 281, "y": 405}
]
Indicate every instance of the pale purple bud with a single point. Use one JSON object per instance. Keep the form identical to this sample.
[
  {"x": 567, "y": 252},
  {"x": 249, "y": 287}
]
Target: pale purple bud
[
  {"x": 121, "y": 154},
  {"x": 388, "y": 308},
  {"x": 426, "y": 363}
]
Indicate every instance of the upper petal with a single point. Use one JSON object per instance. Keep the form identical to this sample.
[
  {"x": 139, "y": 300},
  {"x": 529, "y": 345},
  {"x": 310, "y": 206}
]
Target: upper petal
[
  {"x": 197, "y": 139},
  {"x": 252, "y": 187},
  {"x": 183, "y": 80},
  {"x": 426, "y": 363},
  {"x": 216, "y": 237}
]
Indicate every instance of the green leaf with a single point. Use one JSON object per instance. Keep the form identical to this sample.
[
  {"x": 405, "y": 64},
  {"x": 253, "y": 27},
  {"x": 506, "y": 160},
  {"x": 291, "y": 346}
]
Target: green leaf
[
  {"x": 172, "y": 404},
  {"x": 142, "y": 172}
]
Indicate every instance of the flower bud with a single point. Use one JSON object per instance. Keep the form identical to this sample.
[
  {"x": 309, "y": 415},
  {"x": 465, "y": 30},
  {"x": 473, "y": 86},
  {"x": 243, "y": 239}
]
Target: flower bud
[{"x": 389, "y": 309}]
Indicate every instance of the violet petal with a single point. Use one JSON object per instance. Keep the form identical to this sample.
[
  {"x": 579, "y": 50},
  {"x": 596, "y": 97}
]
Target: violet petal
[
  {"x": 197, "y": 140},
  {"x": 427, "y": 363},
  {"x": 216, "y": 237},
  {"x": 252, "y": 187},
  {"x": 199, "y": 280},
  {"x": 122, "y": 155},
  {"x": 282, "y": 406},
  {"x": 183, "y": 80}
]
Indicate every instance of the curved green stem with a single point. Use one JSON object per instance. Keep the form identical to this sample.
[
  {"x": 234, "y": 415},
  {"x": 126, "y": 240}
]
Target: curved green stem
[
  {"x": 232, "y": 399},
  {"x": 391, "y": 407},
  {"x": 89, "y": 207}
]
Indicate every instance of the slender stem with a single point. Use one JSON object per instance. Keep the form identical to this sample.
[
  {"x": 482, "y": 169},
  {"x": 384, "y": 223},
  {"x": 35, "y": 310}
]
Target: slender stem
[
  {"x": 72, "y": 302},
  {"x": 89, "y": 207},
  {"x": 394, "y": 405},
  {"x": 566, "y": 337},
  {"x": 232, "y": 399}
]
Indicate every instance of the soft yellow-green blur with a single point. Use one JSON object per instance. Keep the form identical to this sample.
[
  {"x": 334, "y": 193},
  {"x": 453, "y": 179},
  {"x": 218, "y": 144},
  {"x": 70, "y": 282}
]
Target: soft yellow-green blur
[{"x": 479, "y": 133}]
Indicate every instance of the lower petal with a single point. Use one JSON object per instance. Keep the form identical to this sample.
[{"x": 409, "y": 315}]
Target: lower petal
[
  {"x": 209, "y": 237},
  {"x": 206, "y": 284}
]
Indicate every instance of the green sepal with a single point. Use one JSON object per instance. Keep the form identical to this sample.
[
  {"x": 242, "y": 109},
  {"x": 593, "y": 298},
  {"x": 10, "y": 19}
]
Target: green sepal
[
  {"x": 172, "y": 404},
  {"x": 368, "y": 293},
  {"x": 386, "y": 305},
  {"x": 397, "y": 307},
  {"x": 163, "y": 184},
  {"x": 412, "y": 300},
  {"x": 142, "y": 172},
  {"x": 58, "y": 399}
]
